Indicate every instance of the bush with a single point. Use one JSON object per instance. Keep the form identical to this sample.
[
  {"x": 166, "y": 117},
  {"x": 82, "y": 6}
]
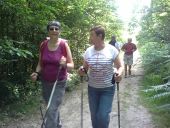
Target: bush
[{"x": 73, "y": 81}]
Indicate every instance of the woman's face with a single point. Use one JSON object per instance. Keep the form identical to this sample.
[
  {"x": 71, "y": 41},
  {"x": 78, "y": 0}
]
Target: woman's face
[
  {"x": 54, "y": 31},
  {"x": 93, "y": 37}
]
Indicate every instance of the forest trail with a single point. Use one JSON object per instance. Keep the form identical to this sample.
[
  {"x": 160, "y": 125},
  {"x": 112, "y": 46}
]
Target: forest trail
[{"x": 132, "y": 113}]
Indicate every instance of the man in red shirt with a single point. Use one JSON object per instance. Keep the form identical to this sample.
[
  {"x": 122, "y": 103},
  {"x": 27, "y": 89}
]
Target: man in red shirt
[{"x": 128, "y": 48}]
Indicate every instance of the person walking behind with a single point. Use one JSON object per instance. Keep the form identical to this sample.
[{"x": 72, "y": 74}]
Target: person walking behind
[
  {"x": 55, "y": 59},
  {"x": 128, "y": 49},
  {"x": 115, "y": 43},
  {"x": 98, "y": 63}
]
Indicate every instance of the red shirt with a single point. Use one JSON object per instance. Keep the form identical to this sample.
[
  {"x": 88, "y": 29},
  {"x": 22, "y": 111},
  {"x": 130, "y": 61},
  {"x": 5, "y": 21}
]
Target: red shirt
[{"x": 129, "y": 48}]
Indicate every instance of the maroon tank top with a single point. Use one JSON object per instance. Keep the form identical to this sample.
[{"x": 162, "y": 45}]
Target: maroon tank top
[{"x": 50, "y": 62}]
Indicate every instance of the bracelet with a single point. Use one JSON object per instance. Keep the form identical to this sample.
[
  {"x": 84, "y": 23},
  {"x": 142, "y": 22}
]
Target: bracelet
[
  {"x": 37, "y": 73},
  {"x": 38, "y": 76}
]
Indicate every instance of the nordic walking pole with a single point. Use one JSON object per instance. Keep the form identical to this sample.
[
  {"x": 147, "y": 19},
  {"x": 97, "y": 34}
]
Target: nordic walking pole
[
  {"x": 81, "y": 78},
  {"x": 50, "y": 99},
  {"x": 118, "y": 104}
]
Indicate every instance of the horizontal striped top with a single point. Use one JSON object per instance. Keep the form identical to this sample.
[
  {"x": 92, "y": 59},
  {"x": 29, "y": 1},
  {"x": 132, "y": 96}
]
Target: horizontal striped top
[{"x": 100, "y": 65}]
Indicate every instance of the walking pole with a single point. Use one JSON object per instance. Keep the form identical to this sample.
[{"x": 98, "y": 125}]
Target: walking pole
[
  {"x": 118, "y": 104},
  {"x": 81, "y": 78},
  {"x": 50, "y": 99}
]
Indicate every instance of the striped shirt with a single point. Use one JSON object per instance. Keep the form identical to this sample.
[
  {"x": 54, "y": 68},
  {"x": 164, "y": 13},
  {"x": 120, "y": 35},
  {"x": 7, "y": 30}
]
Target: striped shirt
[{"x": 100, "y": 65}]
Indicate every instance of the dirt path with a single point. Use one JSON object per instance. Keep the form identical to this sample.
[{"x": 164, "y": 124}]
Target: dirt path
[{"x": 132, "y": 113}]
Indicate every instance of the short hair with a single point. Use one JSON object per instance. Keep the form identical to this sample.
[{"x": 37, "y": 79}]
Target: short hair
[
  {"x": 53, "y": 23},
  {"x": 99, "y": 30},
  {"x": 129, "y": 39}
]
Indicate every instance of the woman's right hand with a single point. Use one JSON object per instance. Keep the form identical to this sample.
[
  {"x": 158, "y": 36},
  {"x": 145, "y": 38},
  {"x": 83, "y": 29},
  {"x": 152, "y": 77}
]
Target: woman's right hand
[
  {"x": 63, "y": 62},
  {"x": 34, "y": 76}
]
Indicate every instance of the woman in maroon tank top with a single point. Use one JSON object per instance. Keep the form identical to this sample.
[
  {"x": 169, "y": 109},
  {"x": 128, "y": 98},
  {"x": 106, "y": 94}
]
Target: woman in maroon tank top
[{"x": 55, "y": 59}]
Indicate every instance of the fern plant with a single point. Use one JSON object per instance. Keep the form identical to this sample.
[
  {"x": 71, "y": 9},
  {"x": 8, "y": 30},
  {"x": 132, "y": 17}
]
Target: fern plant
[{"x": 161, "y": 91}]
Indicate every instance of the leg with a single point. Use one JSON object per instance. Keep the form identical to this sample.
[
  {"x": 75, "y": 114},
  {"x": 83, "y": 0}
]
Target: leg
[
  {"x": 59, "y": 125},
  {"x": 125, "y": 70},
  {"x": 52, "y": 118},
  {"x": 105, "y": 107},
  {"x": 125, "y": 64},
  {"x": 130, "y": 62},
  {"x": 93, "y": 105},
  {"x": 129, "y": 69}
]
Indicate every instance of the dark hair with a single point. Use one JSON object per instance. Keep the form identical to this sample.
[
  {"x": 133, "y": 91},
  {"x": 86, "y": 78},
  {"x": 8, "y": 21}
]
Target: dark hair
[
  {"x": 113, "y": 37},
  {"x": 113, "y": 40},
  {"x": 99, "y": 30},
  {"x": 53, "y": 23}
]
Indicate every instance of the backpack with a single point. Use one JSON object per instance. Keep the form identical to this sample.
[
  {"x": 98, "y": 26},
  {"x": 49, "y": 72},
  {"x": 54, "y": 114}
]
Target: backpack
[
  {"x": 62, "y": 44},
  {"x": 112, "y": 42}
]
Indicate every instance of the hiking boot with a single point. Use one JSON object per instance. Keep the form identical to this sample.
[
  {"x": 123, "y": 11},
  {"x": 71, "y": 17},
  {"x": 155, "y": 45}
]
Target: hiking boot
[{"x": 59, "y": 125}]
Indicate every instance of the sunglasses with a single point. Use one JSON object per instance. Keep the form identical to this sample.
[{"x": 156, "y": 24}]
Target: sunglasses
[{"x": 52, "y": 29}]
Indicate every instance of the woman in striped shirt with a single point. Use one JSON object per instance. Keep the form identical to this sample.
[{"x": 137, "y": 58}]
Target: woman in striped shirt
[{"x": 99, "y": 60}]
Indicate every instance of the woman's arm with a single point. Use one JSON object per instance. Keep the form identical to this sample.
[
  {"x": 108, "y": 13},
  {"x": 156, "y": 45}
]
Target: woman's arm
[
  {"x": 35, "y": 75},
  {"x": 38, "y": 68},
  {"x": 69, "y": 59},
  {"x": 119, "y": 66}
]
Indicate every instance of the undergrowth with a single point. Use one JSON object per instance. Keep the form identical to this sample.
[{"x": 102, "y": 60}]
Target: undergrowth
[{"x": 156, "y": 83}]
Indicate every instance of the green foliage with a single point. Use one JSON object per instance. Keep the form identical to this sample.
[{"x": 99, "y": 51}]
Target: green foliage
[
  {"x": 155, "y": 42},
  {"x": 152, "y": 79},
  {"x": 162, "y": 90},
  {"x": 73, "y": 81},
  {"x": 156, "y": 96},
  {"x": 13, "y": 93},
  {"x": 8, "y": 48},
  {"x": 154, "y": 54},
  {"x": 155, "y": 23},
  {"x": 156, "y": 62}
]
